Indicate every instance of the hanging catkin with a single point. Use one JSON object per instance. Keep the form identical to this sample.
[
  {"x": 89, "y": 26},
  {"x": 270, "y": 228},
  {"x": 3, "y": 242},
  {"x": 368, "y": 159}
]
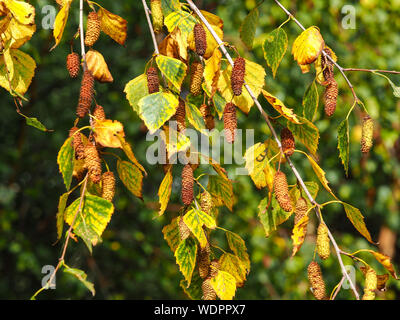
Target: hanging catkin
[
  {"x": 204, "y": 261},
  {"x": 108, "y": 186},
  {"x": 208, "y": 291},
  {"x": 230, "y": 122},
  {"x": 157, "y": 15},
  {"x": 237, "y": 77},
  {"x": 92, "y": 29},
  {"x": 316, "y": 281},
  {"x": 214, "y": 268},
  {"x": 98, "y": 113},
  {"x": 287, "y": 141},
  {"x": 184, "y": 231},
  {"x": 200, "y": 39},
  {"x": 196, "y": 78},
  {"x": 77, "y": 143},
  {"x": 153, "y": 83},
  {"x": 207, "y": 116},
  {"x": 330, "y": 97},
  {"x": 73, "y": 64},
  {"x": 180, "y": 116},
  {"x": 367, "y": 134},
  {"x": 323, "y": 246},
  {"x": 300, "y": 210},
  {"x": 282, "y": 191},
  {"x": 93, "y": 163},
  {"x": 85, "y": 95},
  {"x": 327, "y": 66},
  {"x": 371, "y": 281},
  {"x": 187, "y": 184}
]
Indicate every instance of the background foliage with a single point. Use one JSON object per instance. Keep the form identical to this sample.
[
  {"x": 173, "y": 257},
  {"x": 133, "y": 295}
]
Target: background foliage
[{"x": 134, "y": 262}]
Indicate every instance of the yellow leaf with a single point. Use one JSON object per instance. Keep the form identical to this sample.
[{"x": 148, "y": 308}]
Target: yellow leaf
[
  {"x": 234, "y": 266},
  {"x": 224, "y": 285},
  {"x": 60, "y": 22},
  {"x": 175, "y": 141},
  {"x": 98, "y": 66},
  {"x": 113, "y": 25},
  {"x": 308, "y": 46},
  {"x": 299, "y": 234},
  {"x": 180, "y": 43},
  {"x": 129, "y": 153},
  {"x": 384, "y": 260},
  {"x": 212, "y": 71},
  {"x": 280, "y": 107},
  {"x": 169, "y": 47},
  {"x": 164, "y": 192},
  {"x": 257, "y": 163},
  {"x": 16, "y": 32},
  {"x": 106, "y": 133},
  {"x": 22, "y": 11}
]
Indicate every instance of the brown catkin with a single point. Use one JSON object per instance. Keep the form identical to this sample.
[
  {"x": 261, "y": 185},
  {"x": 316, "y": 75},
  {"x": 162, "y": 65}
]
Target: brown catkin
[
  {"x": 85, "y": 95},
  {"x": 287, "y": 141},
  {"x": 300, "y": 210},
  {"x": 282, "y": 191},
  {"x": 207, "y": 116},
  {"x": 230, "y": 122},
  {"x": 367, "y": 134},
  {"x": 73, "y": 64},
  {"x": 108, "y": 186},
  {"x": 323, "y": 246},
  {"x": 77, "y": 143},
  {"x": 206, "y": 202},
  {"x": 92, "y": 29},
  {"x": 204, "y": 261},
  {"x": 98, "y": 113},
  {"x": 180, "y": 116},
  {"x": 330, "y": 97},
  {"x": 316, "y": 281},
  {"x": 208, "y": 291},
  {"x": 93, "y": 163},
  {"x": 237, "y": 77},
  {"x": 196, "y": 77},
  {"x": 371, "y": 283},
  {"x": 200, "y": 39},
  {"x": 184, "y": 231},
  {"x": 327, "y": 66},
  {"x": 153, "y": 83},
  {"x": 214, "y": 268},
  {"x": 187, "y": 184},
  {"x": 157, "y": 15}
]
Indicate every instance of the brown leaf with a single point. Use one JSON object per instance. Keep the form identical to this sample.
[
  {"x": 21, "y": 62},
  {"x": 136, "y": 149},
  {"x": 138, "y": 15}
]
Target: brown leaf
[{"x": 98, "y": 66}]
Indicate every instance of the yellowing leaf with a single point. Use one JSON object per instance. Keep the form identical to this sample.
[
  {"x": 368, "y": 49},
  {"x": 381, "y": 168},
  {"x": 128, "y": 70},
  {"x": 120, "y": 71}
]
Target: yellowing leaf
[
  {"x": 173, "y": 69},
  {"x": 171, "y": 234},
  {"x": 299, "y": 234},
  {"x": 62, "y": 204},
  {"x": 224, "y": 285},
  {"x": 60, "y": 22},
  {"x": 129, "y": 153},
  {"x": 106, "y": 133},
  {"x": 306, "y": 133},
  {"x": 238, "y": 247},
  {"x": 308, "y": 46},
  {"x": 194, "y": 115},
  {"x": 234, "y": 266},
  {"x": 280, "y": 107},
  {"x": 98, "y": 66},
  {"x": 212, "y": 71},
  {"x": 271, "y": 215},
  {"x": 357, "y": 219},
  {"x": 164, "y": 192},
  {"x": 222, "y": 190},
  {"x": 318, "y": 65},
  {"x": 185, "y": 255},
  {"x": 248, "y": 28},
  {"x": 274, "y": 48},
  {"x": 175, "y": 141},
  {"x": 256, "y": 163},
  {"x": 131, "y": 177},
  {"x": 384, "y": 260},
  {"x": 195, "y": 220},
  {"x": 81, "y": 276},
  {"x": 185, "y": 21},
  {"x": 19, "y": 33},
  {"x": 135, "y": 90},
  {"x": 65, "y": 160},
  {"x": 113, "y": 25},
  {"x": 22, "y": 11}
]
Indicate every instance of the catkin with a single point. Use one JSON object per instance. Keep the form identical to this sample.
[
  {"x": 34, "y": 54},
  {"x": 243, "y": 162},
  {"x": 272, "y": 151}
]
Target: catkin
[
  {"x": 77, "y": 143},
  {"x": 98, "y": 113},
  {"x": 237, "y": 77},
  {"x": 371, "y": 283},
  {"x": 230, "y": 122},
  {"x": 316, "y": 281},
  {"x": 282, "y": 191},
  {"x": 180, "y": 116},
  {"x": 73, "y": 64},
  {"x": 206, "y": 202},
  {"x": 184, "y": 231},
  {"x": 85, "y": 95},
  {"x": 108, "y": 186},
  {"x": 367, "y": 134},
  {"x": 200, "y": 39},
  {"x": 207, "y": 116},
  {"x": 287, "y": 141},
  {"x": 196, "y": 78},
  {"x": 330, "y": 97},
  {"x": 187, "y": 184},
  {"x": 214, "y": 267},
  {"x": 157, "y": 15},
  {"x": 92, "y": 29},
  {"x": 153, "y": 83},
  {"x": 300, "y": 210},
  {"x": 208, "y": 291},
  {"x": 204, "y": 261},
  {"x": 327, "y": 66},
  {"x": 93, "y": 163},
  {"x": 323, "y": 246}
]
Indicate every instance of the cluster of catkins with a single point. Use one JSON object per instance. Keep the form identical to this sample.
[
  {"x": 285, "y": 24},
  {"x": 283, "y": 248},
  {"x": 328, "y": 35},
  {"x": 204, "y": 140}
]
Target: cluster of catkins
[{"x": 86, "y": 149}]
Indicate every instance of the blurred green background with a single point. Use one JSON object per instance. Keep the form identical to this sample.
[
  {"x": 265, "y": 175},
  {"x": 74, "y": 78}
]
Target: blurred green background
[{"x": 134, "y": 261}]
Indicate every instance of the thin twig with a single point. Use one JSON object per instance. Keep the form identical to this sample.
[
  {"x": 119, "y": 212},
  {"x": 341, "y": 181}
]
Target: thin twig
[
  {"x": 263, "y": 113},
  {"x": 153, "y": 35},
  {"x": 82, "y": 35},
  {"x": 370, "y": 70},
  {"x": 338, "y": 287}
]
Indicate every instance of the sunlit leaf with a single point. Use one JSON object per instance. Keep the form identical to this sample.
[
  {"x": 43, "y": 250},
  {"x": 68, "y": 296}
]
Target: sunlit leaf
[
  {"x": 308, "y": 46},
  {"x": 173, "y": 69},
  {"x": 135, "y": 90},
  {"x": 343, "y": 144},
  {"x": 195, "y": 220},
  {"x": 357, "y": 219},
  {"x": 224, "y": 285},
  {"x": 164, "y": 192},
  {"x": 275, "y": 47},
  {"x": 185, "y": 255},
  {"x": 171, "y": 234},
  {"x": 280, "y": 107},
  {"x": 306, "y": 133},
  {"x": 65, "y": 160},
  {"x": 234, "y": 266},
  {"x": 248, "y": 28},
  {"x": 221, "y": 189},
  {"x": 131, "y": 177}
]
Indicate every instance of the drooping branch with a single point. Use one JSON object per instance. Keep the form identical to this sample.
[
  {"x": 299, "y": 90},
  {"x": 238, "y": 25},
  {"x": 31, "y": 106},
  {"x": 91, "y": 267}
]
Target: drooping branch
[
  {"x": 266, "y": 117},
  {"x": 153, "y": 35}
]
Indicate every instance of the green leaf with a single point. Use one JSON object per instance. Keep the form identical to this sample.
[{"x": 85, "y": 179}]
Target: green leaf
[
  {"x": 307, "y": 133},
  {"x": 274, "y": 48},
  {"x": 65, "y": 160},
  {"x": 169, "y": 6},
  {"x": 173, "y": 69},
  {"x": 131, "y": 177},
  {"x": 248, "y": 28},
  {"x": 135, "y": 90},
  {"x": 185, "y": 21},
  {"x": 171, "y": 234},
  {"x": 310, "y": 101},
  {"x": 357, "y": 219},
  {"x": 224, "y": 285},
  {"x": 185, "y": 256},
  {"x": 312, "y": 187},
  {"x": 157, "y": 108},
  {"x": 238, "y": 247},
  {"x": 62, "y": 203},
  {"x": 81, "y": 276},
  {"x": 195, "y": 220},
  {"x": 194, "y": 290},
  {"x": 194, "y": 115},
  {"x": 219, "y": 104},
  {"x": 221, "y": 189},
  {"x": 271, "y": 216},
  {"x": 34, "y": 122},
  {"x": 343, "y": 144},
  {"x": 234, "y": 266},
  {"x": 92, "y": 219}
]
